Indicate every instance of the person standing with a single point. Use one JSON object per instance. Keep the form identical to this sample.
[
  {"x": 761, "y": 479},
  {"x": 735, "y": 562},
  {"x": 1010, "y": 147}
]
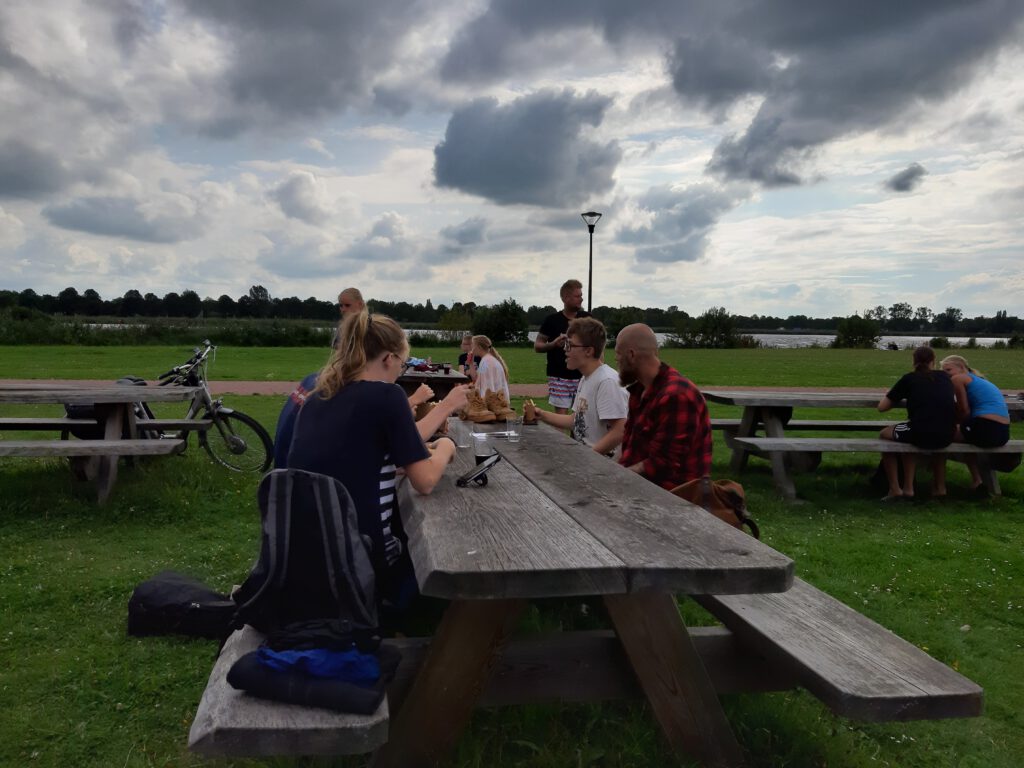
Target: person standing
[
  {"x": 599, "y": 411},
  {"x": 562, "y": 382},
  {"x": 667, "y": 436},
  {"x": 350, "y": 302}
]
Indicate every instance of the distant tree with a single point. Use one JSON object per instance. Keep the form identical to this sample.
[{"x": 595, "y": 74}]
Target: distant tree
[
  {"x": 191, "y": 304},
  {"x": 454, "y": 321},
  {"x": 259, "y": 301},
  {"x": 715, "y": 329},
  {"x": 8, "y": 299},
  {"x": 154, "y": 306},
  {"x": 948, "y": 319},
  {"x": 502, "y": 323},
  {"x": 226, "y": 306},
  {"x": 621, "y": 317},
  {"x": 901, "y": 316},
  {"x": 132, "y": 304},
  {"x": 857, "y": 332},
  {"x": 68, "y": 301},
  {"x": 923, "y": 316},
  {"x": 92, "y": 303}
]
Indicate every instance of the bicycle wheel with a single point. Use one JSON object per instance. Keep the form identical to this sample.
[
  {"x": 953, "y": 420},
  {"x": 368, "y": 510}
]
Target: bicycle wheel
[{"x": 238, "y": 442}]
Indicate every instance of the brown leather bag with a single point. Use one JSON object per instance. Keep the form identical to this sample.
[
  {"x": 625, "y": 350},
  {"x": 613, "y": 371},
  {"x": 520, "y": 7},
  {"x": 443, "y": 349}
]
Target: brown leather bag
[{"x": 722, "y": 498}]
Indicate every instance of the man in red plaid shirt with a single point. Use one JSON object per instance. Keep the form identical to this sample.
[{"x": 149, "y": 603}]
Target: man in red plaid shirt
[{"x": 668, "y": 432}]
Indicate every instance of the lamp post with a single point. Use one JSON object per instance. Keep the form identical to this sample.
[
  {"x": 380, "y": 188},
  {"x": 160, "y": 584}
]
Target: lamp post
[{"x": 591, "y": 218}]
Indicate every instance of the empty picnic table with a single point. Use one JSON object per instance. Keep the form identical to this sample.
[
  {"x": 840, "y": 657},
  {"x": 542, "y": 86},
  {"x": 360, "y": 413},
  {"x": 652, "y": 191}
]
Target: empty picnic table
[
  {"x": 439, "y": 381},
  {"x": 771, "y": 411},
  {"x": 114, "y": 419}
]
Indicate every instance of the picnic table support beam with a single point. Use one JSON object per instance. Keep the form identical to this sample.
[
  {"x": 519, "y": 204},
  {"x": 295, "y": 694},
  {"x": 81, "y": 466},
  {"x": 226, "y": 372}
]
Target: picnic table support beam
[
  {"x": 747, "y": 428},
  {"x": 673, "y": 677},
  {"x": 773, "y": 427},
  {"x": 111, "y": 416},
  {"x": 467, "y": 645}
]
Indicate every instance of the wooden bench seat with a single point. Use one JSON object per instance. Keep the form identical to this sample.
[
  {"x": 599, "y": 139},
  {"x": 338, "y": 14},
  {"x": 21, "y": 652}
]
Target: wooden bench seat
[
  {"x": 36, "y": 448},
  {"x": 858, "y": 668},
  {"x": 814, "y": 425},
  {"x": 62, "y": 423},
  {"x": 230, "y": 722},
  {"x": 154, "y": 425},
  {"x": 867, "y": 445}
]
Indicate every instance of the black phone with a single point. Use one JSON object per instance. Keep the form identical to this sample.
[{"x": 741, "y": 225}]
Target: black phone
[{"x": 478, "y": 474}]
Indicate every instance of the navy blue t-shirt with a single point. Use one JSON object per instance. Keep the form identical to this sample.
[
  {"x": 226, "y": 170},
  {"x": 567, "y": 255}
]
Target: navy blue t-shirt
[
  {"x": 286, "y": 420},
  {"x": 359, "y": 436},
  {"x": 931, "y": 403}
]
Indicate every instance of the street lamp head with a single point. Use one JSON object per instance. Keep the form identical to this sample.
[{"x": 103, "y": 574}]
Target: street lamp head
[{"x": 591, "y": 218}]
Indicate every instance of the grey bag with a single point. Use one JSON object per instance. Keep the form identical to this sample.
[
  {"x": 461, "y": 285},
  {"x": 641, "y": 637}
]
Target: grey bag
[{"x": 313, "y": 562}]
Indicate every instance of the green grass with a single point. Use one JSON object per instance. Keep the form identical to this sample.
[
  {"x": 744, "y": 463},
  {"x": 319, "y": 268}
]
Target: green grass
[
  {"x": 761, "y": 367},
  {"x": 76, "y": 691}
]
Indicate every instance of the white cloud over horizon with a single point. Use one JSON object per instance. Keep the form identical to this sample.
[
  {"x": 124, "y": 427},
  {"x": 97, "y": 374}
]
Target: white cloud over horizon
[{"x": 763, "y": 156}]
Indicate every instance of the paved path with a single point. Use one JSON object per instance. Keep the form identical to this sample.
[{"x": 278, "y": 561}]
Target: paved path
[{"x": 262, "y": 387}]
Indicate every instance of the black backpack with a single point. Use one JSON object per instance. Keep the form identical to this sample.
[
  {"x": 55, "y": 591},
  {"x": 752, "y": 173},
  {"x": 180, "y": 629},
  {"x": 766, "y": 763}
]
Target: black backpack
[
  {"x": 142, "y": 411},
  {"x": 313, "y": 562}
]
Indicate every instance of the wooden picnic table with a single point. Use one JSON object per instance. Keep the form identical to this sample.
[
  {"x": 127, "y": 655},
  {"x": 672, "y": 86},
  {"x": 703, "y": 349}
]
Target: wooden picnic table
[
  {"x": 771, "y": 411},
  {"x": 556, "y": 519},
  {"x": 114, "y": 418},
  {"x": 439, "y": 381}
]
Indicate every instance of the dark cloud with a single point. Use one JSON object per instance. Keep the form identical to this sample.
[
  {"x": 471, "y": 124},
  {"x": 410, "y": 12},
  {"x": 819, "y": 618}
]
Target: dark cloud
[
  {"x": 528, "y": 151},
  {"x": 28, "y": 172},
  {"x": 908, "y": 179},
  {"x": 681, "y": 221},
  {"x": 850, "y": 69},
  {"x": 306, "y": 58},
  {"x": 128, "y": 218},
  {"x": 299, "y": 198},
  {"x": 459, "y": 241},
  {"x": 715, "y": 69}
]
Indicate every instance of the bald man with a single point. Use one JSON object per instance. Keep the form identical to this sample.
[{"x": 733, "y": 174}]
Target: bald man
[{"x": 667, "y": 438}]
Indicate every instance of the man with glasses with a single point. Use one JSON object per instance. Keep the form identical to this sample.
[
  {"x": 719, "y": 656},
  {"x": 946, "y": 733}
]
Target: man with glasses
[
  {"x": 562, "y": 380},
  {"x": 600, "y": 407},
  {"x": 667, "y": 437}
]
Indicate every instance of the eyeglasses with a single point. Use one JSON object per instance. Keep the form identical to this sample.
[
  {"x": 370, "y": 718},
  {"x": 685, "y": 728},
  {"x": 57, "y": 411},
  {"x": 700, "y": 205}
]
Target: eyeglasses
[{"x": 567, "y": 345}]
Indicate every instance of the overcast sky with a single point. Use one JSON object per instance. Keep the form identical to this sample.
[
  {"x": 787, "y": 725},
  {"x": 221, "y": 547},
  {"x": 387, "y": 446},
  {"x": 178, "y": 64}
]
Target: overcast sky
[{"x": 772, "y": 157}]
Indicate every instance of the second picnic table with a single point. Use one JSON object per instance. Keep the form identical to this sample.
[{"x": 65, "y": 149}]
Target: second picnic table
[
  {"x": 772, "y": 410},
  {"x": 114, "y": 420}
]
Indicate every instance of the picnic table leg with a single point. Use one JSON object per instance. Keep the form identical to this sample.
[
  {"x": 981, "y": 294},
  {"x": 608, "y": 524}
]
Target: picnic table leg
[
  {"x": 988, "y": 475},
  {"x": 773, "y": 427},
  {"x": 747, "y": 428},
  {"x": 673, "y": 677},
  {"x": 462, "y": 653},
  {"x": 111, "y": 416}
]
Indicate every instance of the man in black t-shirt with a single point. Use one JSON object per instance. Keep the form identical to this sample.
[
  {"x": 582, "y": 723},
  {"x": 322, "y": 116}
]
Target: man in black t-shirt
[{"x": 562, "y": 381}]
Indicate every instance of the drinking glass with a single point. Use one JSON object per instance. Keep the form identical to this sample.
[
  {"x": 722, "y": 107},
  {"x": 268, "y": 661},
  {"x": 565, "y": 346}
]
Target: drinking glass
[{"x": 515, "y": 428}]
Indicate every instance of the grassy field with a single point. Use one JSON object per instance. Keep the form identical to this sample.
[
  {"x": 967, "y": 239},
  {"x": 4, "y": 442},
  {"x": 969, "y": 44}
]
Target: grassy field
[{"x": 76, "y": 691}]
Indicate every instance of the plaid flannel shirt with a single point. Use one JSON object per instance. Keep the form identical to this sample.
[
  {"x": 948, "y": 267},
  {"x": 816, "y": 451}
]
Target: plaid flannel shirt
[{"x": 668, "y": 429}]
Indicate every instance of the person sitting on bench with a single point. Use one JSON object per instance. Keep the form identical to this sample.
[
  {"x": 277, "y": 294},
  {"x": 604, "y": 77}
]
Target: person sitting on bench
[{"x": 932, "y": 411}]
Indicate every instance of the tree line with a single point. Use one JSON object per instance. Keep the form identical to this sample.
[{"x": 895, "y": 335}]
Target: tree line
[{"x": 900, "y": 317}]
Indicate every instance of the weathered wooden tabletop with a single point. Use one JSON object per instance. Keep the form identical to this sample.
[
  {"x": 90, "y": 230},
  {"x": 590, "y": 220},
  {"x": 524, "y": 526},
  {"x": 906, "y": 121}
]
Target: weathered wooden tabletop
[{"x": 558, "y": 519}]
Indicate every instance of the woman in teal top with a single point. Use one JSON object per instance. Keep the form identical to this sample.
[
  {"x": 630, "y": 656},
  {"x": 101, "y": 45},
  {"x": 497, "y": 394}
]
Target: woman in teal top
[{"x": 981, "y": 410}]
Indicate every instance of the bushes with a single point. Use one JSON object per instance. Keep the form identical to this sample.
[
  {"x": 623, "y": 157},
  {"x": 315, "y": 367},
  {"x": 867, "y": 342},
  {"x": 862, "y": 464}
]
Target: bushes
[
  {"x": 715, "y": 329},
  {"x": 503, "y": 323},
  {"x": 856, "y": 332}
]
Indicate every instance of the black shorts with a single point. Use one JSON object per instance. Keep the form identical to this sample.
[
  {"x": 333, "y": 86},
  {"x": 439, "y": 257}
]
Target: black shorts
[
  {"x": 985, "y": 433},
  {"x": 905, "y": 432}
]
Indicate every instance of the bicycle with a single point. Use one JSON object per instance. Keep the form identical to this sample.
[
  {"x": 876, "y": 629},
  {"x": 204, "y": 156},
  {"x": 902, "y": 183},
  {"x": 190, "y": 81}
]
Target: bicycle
[{"x": 233, "y": 439}]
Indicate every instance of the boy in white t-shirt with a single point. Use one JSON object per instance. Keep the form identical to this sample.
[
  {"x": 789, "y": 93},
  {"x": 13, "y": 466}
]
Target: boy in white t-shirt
[{"x": 601, "y": 404}]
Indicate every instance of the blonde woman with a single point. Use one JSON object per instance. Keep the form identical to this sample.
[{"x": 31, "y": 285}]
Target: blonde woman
[
  {"x": 980, "y": 409},
  {"x": 356, "y": 426},
  {"x": 491, "y": 373}
]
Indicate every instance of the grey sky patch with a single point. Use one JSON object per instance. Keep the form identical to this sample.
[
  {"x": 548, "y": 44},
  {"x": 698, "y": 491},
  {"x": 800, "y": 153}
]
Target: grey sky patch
[
  {"x": 28, "y": 172},
  {"x": 469, "y": 232},
  {"x": 681, "y": 223},
  {"x": 308, "y": 58},
  {"x": 385, "y": 242},
  {"x": 715, "y": 70},
  {"x": 529, "y": 151},
  {"x": 299, "y": 197},
  {"x": 908, "y": 179},
  {"x": 128, "y": 218},
  {"x": 458, "y": 242}
]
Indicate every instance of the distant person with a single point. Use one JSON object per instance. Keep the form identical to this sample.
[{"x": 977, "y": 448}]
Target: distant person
[
  {"x": 599, "y": 410},
  {"x": 982, "y": 413},
  {"x": 492, "y": 372},
  {"x": 350, "y": 302},
  {"x": 467, "y": 361},
  {"x": 667, "y": 436},
  {"x": 356, "y": 426},
  {"x": 562, "y": 381},
  {"x": 931, "y": 424}
]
